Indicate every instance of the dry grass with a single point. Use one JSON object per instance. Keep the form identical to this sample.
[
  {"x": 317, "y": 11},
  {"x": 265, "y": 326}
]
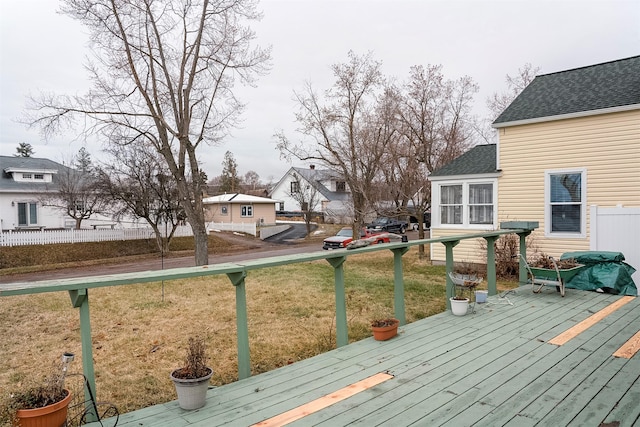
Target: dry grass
[{"x": 139, "y": 337}]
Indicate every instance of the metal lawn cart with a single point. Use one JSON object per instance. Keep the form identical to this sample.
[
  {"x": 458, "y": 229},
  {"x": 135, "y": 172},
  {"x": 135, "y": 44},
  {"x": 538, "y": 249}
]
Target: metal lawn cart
[{"x": 550, "y": 276}]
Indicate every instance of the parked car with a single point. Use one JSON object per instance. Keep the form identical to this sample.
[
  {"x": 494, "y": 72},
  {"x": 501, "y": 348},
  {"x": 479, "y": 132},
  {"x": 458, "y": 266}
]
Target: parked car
[
  {"x": 345, "y": 236},
  {"x": 426, "y": 225},
  {"x": 390, "y": 225}
]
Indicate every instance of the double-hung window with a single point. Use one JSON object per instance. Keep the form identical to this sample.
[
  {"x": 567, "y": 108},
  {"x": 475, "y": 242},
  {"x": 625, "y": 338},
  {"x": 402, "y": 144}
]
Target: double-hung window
[
  {"x": 565, "y": 207},
  {"x": 451, "y": 204},
  {"x": 480, "y": 204}
]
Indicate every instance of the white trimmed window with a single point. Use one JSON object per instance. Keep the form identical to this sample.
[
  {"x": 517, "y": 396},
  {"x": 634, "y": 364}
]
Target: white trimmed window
[
  {"x": 565, "y": 203},
  {"x": 27, "y": 214},
  {"x": 466, "y": 204},
  {"x": 246, "y": 211}
]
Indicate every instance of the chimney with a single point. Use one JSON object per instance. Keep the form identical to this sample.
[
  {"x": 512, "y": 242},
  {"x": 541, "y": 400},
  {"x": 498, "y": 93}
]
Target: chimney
[{"x": 312, "y": 167}]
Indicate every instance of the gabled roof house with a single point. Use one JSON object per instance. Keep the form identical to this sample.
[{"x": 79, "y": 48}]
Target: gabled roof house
[
  {"x": 240, "y": 208},
  {"x": 330, "y": 188},
  {"x": 568, "y": 157}
]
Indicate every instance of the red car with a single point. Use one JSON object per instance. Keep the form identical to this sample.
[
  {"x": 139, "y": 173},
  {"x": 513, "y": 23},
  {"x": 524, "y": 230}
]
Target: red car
[{"x": 345, "y": 236}]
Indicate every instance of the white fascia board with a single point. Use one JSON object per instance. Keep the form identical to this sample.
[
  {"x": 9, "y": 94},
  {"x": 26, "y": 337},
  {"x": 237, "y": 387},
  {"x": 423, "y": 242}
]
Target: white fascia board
[
  {"x": 464, "y": 177},
  {"x": 30, "y": 170},
  {"x": 568, "y": 116}
]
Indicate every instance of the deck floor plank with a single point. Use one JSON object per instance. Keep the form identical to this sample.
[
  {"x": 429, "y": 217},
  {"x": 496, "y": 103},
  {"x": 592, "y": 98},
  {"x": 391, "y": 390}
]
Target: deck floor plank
[{"x": 494, "y": 367}]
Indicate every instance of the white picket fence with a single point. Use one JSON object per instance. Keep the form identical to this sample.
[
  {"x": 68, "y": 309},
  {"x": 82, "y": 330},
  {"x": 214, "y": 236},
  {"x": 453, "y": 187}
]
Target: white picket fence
[{"x": 46, "y": 237}]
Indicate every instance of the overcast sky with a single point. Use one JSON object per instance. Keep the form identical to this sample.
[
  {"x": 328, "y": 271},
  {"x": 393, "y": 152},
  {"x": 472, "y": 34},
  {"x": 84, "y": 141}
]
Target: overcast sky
[{"x": 42, "y": 50}]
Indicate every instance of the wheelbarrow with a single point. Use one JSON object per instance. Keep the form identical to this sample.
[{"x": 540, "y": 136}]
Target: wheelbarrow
[{"x": 550, "y": 276}]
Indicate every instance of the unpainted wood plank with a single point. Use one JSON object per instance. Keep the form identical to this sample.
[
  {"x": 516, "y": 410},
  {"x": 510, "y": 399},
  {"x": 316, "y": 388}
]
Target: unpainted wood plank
[
  {"x": 630, "y": 348},
  {"x": 590, "y": 321},
  {"x": 323, "y": 402}
]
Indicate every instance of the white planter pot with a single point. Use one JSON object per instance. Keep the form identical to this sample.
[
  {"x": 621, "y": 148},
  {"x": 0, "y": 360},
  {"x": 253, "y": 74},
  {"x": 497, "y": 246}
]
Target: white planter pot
[
  {"x": 192, "y": 393},
  {"x": 459, "y": 307}
]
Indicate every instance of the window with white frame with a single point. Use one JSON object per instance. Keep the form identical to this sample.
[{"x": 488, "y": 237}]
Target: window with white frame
[
  {"x": 246, "y": 211},
  {"x": 565, "y": 207},
  {"x": 466, "y": 204},
  {"x": 27, "y": 214},
  {"x": 451, "y": 204},
  {"x": 480, "y": 204},
  {"x": 224, "y": 210}
]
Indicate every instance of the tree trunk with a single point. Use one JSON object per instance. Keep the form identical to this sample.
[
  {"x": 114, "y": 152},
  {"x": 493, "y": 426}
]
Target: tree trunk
[{"x": 201, "y": 243}]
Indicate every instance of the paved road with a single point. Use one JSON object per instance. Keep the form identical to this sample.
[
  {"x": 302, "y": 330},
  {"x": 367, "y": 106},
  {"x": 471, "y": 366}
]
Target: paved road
[{"x": 290, "y": 244}]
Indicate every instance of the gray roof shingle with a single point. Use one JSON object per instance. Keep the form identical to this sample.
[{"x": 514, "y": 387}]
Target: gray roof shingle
[
  {"x": 606, "y": 85},
  {"x": 7, "y": 184},
  {"x": 481, "y": 159}
]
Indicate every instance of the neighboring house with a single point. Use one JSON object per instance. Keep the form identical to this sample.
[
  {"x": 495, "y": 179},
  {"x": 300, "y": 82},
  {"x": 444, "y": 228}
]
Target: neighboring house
[
  {"x": 331, "y": 189},
  {"x": 568, "y": 151},
  {"x": 240, "y": 208}
]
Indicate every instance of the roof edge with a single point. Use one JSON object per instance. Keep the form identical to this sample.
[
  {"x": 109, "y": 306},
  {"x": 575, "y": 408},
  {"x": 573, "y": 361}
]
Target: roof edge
[
  {"x": 575, "y": 115},
  {"x": 491, "y": 175}
]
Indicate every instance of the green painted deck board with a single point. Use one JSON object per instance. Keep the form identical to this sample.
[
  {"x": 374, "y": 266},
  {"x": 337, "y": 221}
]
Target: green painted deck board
[{"x": 490, "y": 368}]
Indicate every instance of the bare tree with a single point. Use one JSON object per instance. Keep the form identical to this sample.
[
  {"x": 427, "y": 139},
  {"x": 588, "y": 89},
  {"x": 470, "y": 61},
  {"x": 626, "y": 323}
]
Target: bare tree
[
  {"x": 252, "y": 180},
  {"x": 164, "y": 73},
  {"x": 346, "y": 129},
  {"x": 139, "y": 185},
  {"x": 436, "y": 125},
  {"x": 498, "y": 102},
  {"x": 307, "y": 196},
  {"x": 78, "y": 194}
]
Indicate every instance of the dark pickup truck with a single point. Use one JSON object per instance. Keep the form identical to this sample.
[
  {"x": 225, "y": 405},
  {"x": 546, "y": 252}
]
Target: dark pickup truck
[{"x": 390, "y": 225}]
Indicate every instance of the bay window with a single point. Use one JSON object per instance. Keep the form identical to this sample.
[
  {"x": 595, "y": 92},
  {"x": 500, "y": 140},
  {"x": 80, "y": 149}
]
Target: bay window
[{"x": 466, "y": 204}]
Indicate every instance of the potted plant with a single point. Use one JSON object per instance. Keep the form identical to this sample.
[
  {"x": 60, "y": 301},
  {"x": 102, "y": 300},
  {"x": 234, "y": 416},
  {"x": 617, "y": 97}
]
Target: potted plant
[
  {"x": 465, "y": 278},
  {"x": 192, "y": 380},
  {"x": 39, "y": 404},
  {"x": 385, "y": 328}
]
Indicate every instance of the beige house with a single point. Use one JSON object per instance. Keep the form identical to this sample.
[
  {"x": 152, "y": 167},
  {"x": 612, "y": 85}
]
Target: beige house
[
  {"x": 240, "y": 208},
  {"x": 568, "y": 157}
]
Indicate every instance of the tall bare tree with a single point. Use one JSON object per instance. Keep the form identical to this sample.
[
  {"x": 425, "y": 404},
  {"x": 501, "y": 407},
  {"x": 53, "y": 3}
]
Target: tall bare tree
[
  {"x": 164, "y": 73},
  {"x": 346, "y": 129},
  {"x": 498, "y": 102},
  {"x": 78, "y": 193},
  {"x": 307, "y": 196},
  {"x": 138, "y": 184}
]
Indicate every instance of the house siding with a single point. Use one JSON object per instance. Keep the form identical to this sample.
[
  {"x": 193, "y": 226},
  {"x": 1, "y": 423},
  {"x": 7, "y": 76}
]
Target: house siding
[{"x": 606, "y": 146}]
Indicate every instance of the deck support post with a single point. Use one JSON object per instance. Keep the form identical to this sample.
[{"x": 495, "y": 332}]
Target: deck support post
[
  {"x": 522, "y": 270},
  {"x": 80, "y": 300},
  {"x": 342, "y": 331},
  {"x": 398, "y": 285},
  {"x": 448, "y": 246},
  {"x": 242, "y": 324},
  {"x": 491, "y": 265}
]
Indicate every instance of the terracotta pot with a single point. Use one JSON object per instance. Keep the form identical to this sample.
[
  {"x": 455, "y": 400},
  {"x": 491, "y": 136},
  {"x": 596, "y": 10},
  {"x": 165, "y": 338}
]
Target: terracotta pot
[
  {"x": 54, "y": 415},
  {"x": 385, "y": 332}
]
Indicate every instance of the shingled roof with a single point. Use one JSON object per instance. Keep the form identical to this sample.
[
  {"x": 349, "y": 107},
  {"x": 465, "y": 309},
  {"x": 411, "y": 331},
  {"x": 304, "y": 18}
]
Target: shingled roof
[
  {"x": 481, "y": 159},
  {"x": 587, "y": 89}
]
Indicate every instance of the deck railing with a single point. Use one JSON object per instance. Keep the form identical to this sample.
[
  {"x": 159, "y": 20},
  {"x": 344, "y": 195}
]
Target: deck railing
[{"x": 78, "y": 288}]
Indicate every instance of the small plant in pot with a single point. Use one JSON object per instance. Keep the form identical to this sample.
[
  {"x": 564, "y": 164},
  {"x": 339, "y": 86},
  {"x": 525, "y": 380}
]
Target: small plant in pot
[
  {"x": 192, "y": 380},
  {"x": 384, "y": 328},
  {"x": 39, "y": 404}
]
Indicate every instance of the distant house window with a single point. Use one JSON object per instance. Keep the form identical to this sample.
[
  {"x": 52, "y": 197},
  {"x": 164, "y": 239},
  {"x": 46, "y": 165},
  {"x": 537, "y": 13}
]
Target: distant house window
[
  {"x": 281, "y": 206},
  {"x": 246, "y": 211},
  {"x": 565, "y": 203},
  {"x": 451, "y": 204},
  {"x": 224, "y": 210},
  {"x": 38, "y": 176},
  {"x": 79, "y": 205},
  {"x": 26, "y": 176},
  {"x": 341, "y": 186},
  {"x": 295, "y": 187},
  {"x": 27, "y": 214},
  {"x": 304, "y": 206}
]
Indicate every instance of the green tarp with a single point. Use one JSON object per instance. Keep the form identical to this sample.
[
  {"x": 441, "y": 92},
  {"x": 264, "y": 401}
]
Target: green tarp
[{"x": 602, "y": 270}]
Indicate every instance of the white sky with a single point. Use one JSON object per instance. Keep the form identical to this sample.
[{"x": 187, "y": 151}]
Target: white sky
[{"x": 42, "y": 50}]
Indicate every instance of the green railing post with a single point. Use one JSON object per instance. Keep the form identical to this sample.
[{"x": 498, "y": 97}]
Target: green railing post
[
  {"x": 491, "y": 265},
  {"x": 398, "y": 285},
  {"x": 448, "y": 246},
  {"x": 242, "y": 324},
  {"x": 522, "y": 271},
  {"x": 80, "y": 300},
  {"x": 342, "y": 331}
]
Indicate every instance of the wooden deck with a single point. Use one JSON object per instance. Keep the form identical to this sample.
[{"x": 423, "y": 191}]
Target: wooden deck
[{"x": 495, "y": 367}]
